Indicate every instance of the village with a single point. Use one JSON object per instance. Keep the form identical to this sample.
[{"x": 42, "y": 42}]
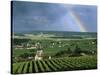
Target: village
[
  {"x": 39, "y": 53},
  {"x": 38, "y": 49}
]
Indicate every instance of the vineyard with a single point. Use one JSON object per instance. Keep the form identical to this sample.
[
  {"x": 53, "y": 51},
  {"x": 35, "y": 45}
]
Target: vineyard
[
  {"x": 56, "y": 64},
  {"x": 36, "y": 52}
]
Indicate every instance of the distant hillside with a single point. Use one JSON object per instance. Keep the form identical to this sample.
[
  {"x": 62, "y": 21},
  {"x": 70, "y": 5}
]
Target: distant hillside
[{"x": 61, "y": 34}]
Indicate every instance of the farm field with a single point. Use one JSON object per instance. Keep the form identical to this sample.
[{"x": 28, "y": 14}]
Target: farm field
[
  {"x": 44, "y": 53},
  {"x": 50, "y": 49},
  {"x": 56, "y": 64}
]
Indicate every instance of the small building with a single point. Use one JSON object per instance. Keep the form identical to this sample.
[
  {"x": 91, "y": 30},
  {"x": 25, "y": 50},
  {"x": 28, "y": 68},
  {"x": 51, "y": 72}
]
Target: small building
[
  {"x": 30, "y": 57},
  {"x": 19, "y": 47},
  {"x": 31, "y": 47},
  {"x": 39, "y": 55},
  {"x": 93, "y": 42},
  {"x": 49, "y": 57}
]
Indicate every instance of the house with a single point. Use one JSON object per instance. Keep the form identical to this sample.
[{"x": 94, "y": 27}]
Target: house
[
  {"x": 19, "y": 47},
  {"x": 30, "y": 57},
  {"x": 39, "y": 55},
  {"x": 33, "y": 47},
  {"x": 49, "y": 57}
]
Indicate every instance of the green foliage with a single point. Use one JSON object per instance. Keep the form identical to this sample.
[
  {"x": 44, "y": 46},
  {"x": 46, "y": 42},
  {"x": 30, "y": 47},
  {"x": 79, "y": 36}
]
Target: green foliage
[
  {"x": 77, "y": 50},
  {"x": 18, "y": 52},
  {"x": 21, "y": 68},
  {"x": 47, "y": 69},
  {"x": 56, "y": 64},
  {"x": 25, "y": 55},
  {"x": 25, "y": 70},
  {"x": 35, "y": 66},
  {"x": 17, "y": 41},
  {"x": 40, "y": 66},
  {"x": 69, "y": 51},
  {"x": 32, "y": 50},
  {"x": 64, "y": 53},
  {"x": 30, "y": 67},
  {"x": 51, "y": 50}
]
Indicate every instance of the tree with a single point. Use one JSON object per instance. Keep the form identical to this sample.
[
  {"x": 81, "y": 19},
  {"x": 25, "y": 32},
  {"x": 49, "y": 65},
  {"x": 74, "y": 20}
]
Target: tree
[
  {"x": 77, "y": 50},
  {"x": 32, "y": 50},
  {"x": 25, "y": 55},
  {"x": 69, "y": 50}
]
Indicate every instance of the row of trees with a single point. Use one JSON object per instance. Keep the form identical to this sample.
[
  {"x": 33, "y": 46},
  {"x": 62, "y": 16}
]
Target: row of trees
[
  {"x": 77, "y": 51},
  {"x": 17, "y": 41}
]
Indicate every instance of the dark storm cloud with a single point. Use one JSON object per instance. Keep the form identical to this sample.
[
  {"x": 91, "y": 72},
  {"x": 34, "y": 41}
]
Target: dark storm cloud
[{"x": 30, "y": 16}]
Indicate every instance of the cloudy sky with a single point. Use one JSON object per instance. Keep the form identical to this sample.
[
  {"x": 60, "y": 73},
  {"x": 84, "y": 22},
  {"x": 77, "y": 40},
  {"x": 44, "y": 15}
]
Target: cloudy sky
[{"x": 34, "y": 16}]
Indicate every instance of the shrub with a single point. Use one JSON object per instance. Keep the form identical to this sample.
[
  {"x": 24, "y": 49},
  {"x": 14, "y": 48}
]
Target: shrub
[{"x": 77, "y": 50}]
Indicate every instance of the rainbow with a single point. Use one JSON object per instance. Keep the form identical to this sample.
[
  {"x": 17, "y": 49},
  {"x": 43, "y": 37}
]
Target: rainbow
[{"x": 78, "y": 21}]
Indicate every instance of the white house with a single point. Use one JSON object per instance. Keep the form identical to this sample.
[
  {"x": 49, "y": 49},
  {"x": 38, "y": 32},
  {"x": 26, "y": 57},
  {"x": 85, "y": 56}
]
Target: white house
[
  {"x": 38, "y": 55},
  {"x": 49, "y": 57}
]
